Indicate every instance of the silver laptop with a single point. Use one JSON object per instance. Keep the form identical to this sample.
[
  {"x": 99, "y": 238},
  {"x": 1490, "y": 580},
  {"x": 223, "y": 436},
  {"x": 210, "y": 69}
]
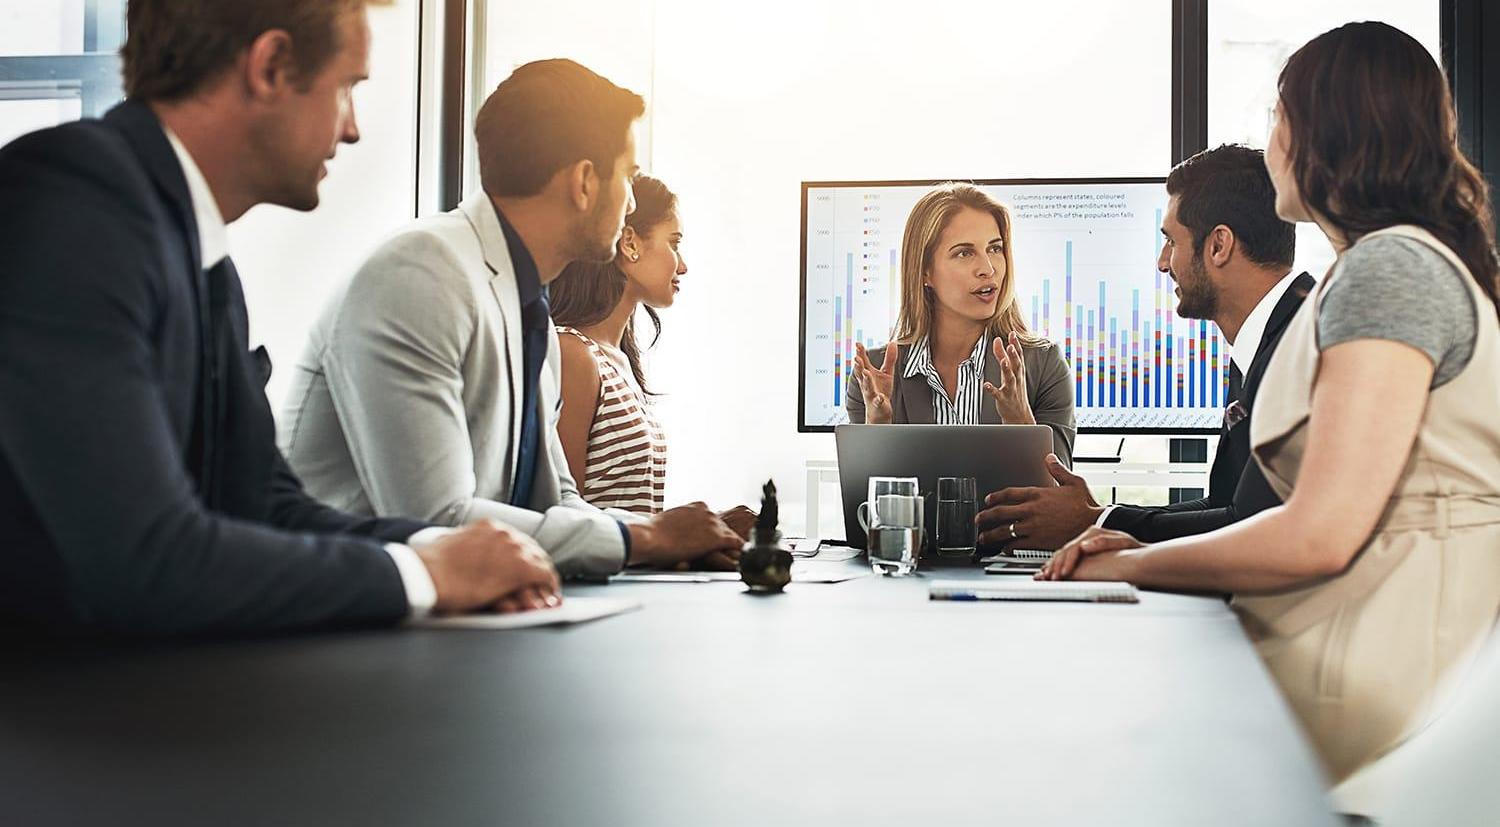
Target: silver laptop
[{"x": 997, "y": 456}]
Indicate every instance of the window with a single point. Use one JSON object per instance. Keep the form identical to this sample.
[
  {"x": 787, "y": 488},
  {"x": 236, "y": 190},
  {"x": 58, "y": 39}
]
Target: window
[
  {"x": 58, "y": 62},
  {"x": 745, "y": 102},
  {"x": 1249, "y": 40},
  {"x": 615, "y": 39},
  {"x": 290, "y": 262}
]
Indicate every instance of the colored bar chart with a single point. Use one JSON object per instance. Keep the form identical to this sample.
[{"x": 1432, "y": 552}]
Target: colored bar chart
[{"x": 1085, "y": 278}]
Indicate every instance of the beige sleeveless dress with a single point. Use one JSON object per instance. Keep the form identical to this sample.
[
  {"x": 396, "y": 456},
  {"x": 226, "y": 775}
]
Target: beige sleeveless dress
[{"x": 1361, "y": 655}]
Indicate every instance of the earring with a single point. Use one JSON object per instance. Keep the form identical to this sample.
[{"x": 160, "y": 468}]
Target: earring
[{"x": 635, "y": 256}]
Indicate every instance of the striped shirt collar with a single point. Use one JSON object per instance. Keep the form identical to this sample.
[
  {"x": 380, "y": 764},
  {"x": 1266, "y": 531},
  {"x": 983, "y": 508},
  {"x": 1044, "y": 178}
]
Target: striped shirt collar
[
  {"x": 964, "y": 408},
  {"x": 919, "y": 363}
]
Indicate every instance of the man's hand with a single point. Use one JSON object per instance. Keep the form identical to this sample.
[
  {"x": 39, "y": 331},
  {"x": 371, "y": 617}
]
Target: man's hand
[
  {"x": 688, "y": 533},
  {"x": 488, "y": 566},
  {"x": 1040, "y": 518},
  {"x": 740, "y": 520}
]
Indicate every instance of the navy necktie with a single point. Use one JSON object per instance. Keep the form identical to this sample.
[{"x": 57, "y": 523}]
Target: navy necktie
[
  {"x": 1235, "y": 410},
  {"x": 535, "y": 317}
]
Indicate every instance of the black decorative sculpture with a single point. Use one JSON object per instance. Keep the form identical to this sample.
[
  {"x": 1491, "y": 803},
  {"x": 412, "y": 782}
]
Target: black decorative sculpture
[{"x": 764, "y": 565}]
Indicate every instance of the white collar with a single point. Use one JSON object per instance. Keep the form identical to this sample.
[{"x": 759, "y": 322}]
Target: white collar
[
  {"x": 1247, "y": 342},
  {"x": 919, "y": 362},
  {"x": 213, "y": 236}
]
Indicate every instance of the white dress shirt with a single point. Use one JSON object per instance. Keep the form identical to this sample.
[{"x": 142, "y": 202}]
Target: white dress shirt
[
  {"x": 1246, "y": 342},
  {"x": 964, "y": 408},
  {"x": 213, "y": 243}
]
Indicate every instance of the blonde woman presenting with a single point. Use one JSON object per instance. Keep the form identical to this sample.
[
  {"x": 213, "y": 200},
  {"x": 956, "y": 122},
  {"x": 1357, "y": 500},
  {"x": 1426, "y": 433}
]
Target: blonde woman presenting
[{"x": 961, "y": 353}]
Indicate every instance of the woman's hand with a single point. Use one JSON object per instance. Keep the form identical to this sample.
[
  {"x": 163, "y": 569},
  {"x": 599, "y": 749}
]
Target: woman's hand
[
  {"x": 1076, "y": 560},
  {"x": 1010, "y": 395},
  {"x": 876, "y": 384}
]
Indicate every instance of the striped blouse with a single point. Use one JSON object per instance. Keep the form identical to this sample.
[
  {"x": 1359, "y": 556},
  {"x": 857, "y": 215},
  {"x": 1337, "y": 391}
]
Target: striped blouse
[
  {"x": 965, "y": 409},
  {"x": 625, "y": 466}
]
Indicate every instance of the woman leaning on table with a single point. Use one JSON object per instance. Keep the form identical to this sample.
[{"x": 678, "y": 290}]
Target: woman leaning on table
[
  {"x": 1378, "y": 421},
  {"x": 961, "y": 353}
]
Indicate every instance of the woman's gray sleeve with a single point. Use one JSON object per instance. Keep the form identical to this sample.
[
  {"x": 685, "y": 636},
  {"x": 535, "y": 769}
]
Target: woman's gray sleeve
[
  {"x": 1401, "y": 290},
  {"x": 1051, "y": 398}
]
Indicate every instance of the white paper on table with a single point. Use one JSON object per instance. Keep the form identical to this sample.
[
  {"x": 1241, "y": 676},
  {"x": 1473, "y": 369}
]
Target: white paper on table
[
  {"x": 573, "y": 610},
  {"x": 839, "y": 575},
  {"x": 652, "y": 576},
  {"x": 802, "y": 572}
]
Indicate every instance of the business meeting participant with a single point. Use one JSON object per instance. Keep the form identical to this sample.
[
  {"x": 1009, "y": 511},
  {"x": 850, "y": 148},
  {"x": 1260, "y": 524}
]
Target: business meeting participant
[
  {"x": 960, "y": 353},
  {"x": 141, "y": 491},
  {"x": 429, "y": 385},
  {"x": 1378, "y": 420},
  {"x": 617, "y": 452},
  {"x": 1231, "y": 257}
]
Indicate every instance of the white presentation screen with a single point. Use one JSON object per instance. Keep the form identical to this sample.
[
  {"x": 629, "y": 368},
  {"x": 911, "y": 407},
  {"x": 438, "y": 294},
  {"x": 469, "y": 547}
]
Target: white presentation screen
[{"x": 1085, "y": 268}]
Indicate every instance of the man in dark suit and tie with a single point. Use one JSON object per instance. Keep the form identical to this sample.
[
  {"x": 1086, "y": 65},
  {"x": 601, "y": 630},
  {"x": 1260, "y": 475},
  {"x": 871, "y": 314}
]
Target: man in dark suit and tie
[
  {"x": 141, "y": 491},
  {"x": 1231, "y": 257}
]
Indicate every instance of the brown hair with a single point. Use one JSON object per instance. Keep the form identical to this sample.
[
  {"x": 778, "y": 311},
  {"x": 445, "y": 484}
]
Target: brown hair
[
  {"x": 1374, "y": 143},
  {"x": 588, "y": 291},
  {"x": 173, "y": 47},
  {"x": 926, "y": 222},
  {"x": 1229, "y": 185},
  {"x": 548, "y": 115}
]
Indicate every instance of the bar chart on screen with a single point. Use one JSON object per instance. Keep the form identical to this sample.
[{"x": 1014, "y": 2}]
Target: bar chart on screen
[{"x": 1085, "y": 278}]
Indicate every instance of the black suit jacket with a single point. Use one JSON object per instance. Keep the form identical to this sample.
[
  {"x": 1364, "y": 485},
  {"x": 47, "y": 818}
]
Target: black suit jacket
[
  {"x": 141, "y": 490},
  {"x": 1236, "y": 487}
]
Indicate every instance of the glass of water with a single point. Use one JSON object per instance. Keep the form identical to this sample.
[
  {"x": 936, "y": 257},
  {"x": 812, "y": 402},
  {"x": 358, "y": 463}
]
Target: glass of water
[
  {"x": 892, "y": 520},
  {"x": 956, "y": 504}
]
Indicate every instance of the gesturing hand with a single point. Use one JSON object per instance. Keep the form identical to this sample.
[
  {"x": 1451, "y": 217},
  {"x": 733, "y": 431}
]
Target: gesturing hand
[
  {"x": 1010, "y": 395},
  {"x": 876, "y": 384}
]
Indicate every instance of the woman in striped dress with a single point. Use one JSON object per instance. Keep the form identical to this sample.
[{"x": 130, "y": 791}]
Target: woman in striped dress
[{"x": 614, "y": 444}]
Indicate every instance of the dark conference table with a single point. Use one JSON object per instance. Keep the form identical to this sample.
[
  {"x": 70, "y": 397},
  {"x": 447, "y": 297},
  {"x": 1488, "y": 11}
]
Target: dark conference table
[{"x": 853, "y": 703}]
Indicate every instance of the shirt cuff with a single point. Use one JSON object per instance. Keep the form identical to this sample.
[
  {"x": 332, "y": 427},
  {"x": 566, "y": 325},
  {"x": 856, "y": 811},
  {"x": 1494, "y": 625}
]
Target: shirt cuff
[
  {"x": 421, "y": 594},
  {"x": 428, "y": 536},
  {"x": 1103, "y": 518},
  {"x": 624, "y": 535}
]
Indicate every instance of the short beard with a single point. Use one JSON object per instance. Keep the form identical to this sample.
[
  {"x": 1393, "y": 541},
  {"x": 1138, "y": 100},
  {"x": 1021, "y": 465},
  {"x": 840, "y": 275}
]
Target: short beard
[
  {"x": 1200, "y": 300},
  {"x": 587, "y": 242}
]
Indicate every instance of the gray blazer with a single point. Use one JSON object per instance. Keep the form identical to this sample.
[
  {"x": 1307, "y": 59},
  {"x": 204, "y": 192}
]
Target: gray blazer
[
  {"x": 405, "y": 400},
  {"x": 1049, "y": 389}
]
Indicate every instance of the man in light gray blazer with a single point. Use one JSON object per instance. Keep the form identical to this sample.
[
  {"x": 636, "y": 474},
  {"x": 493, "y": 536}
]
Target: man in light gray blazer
[{"x": 430, "y": 384}]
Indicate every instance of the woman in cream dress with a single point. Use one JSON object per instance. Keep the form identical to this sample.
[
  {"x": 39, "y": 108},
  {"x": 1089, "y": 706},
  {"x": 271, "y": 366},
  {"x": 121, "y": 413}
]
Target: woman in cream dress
[{"x": 1378, "y": 420}]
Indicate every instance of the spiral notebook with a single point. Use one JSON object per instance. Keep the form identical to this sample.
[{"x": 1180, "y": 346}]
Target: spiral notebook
[{"x": 1063, "y": 590}]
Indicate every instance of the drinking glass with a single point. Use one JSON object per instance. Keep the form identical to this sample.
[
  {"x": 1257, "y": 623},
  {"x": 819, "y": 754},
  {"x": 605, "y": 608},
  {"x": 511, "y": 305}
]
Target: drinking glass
[
  {"x": 892, "y": 520},
  {"x": 956, "y": 507}
]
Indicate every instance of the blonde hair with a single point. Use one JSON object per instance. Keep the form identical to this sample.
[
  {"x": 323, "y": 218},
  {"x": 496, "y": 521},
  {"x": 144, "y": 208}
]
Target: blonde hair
[{"x": 927, "y": 221}]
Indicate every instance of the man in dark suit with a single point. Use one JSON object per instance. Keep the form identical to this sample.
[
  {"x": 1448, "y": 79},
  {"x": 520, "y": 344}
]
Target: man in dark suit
[
  {"x": 141, "y": 490},
  {"x": 1231, "y": 257}
]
